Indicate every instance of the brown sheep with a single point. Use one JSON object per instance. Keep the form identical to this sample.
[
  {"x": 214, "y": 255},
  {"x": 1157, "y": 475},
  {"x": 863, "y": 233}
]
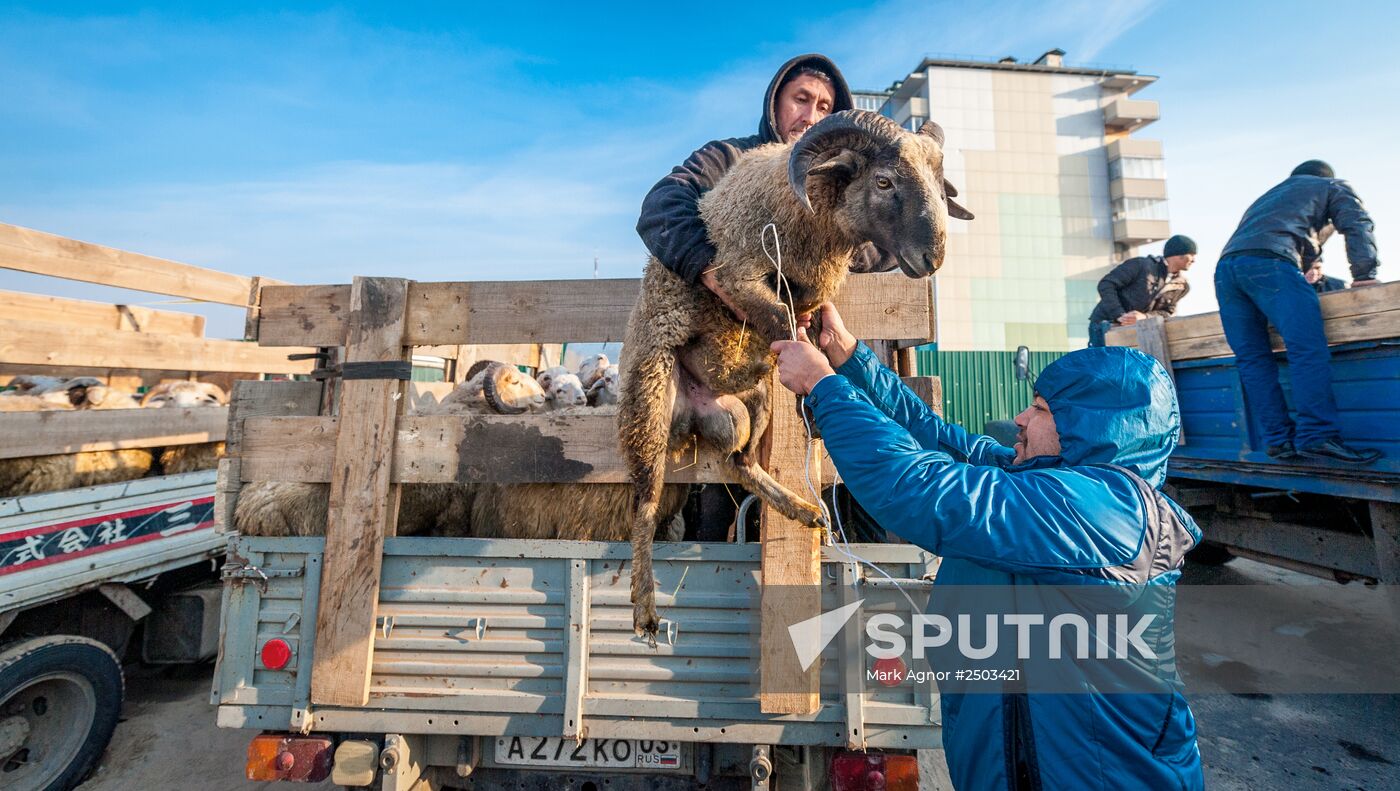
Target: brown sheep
[{"x": 693, "y": 372}]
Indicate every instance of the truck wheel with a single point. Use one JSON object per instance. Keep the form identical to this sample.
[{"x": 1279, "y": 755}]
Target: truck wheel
[
  {"x": 1208, "y": 554},
  {"x": 59, "y": 701}
]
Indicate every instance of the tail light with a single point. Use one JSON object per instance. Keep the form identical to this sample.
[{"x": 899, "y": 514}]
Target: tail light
[
  {"x": 852, "y": 771},
  {"x": 279, "y": 756}
]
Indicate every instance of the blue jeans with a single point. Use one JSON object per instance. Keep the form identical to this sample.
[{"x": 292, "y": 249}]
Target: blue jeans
[
  {"x": 1255, "y": 292},
  {"x": 1096, "y": 332}
]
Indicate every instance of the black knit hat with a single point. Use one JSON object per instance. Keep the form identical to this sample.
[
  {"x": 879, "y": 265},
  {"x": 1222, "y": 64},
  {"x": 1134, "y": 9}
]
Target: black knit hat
[
  {"x": 1314, "y": 167},
  {"x": 1179, "y": 245}
]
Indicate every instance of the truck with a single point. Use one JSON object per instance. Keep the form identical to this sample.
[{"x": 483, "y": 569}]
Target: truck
[
  {"x": 1331, "y": 520},
  {"x": 94, "y": 576},
  {"x": 371, "y": 659}
]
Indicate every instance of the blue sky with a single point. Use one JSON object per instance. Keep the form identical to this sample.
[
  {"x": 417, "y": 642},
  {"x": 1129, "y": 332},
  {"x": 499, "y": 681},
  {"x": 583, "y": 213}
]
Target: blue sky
[{"x": 472, "y": 141}]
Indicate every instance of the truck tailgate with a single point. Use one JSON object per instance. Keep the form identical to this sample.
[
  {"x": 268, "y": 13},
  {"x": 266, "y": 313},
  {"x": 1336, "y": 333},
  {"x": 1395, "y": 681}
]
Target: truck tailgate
[{"x": 497, "y": 637}]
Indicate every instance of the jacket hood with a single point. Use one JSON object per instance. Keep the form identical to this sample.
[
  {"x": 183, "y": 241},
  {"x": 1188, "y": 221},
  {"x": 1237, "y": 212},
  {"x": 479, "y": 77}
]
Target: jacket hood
[
  {"x": 768, "y": 122},
  {"x": 1113, "y": 405}
]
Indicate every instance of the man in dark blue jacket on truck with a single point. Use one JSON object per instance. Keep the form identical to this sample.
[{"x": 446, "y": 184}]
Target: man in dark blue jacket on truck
[
  {"x": 1259, "y": 281},
  {"x": 1076, "y": 503}
]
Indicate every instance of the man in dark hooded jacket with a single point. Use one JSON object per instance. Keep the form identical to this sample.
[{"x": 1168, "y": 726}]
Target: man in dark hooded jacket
[
  {"x": 1259, "y": 281},
  {"x": 1075, "y": 506},
  {"x": 805, "y": 90}
]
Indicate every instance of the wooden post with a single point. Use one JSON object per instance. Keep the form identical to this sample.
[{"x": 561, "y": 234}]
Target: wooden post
[
  {"x": 364, "y": 504},
  {"x": 791, "y": 566},
  {"x": 1152, "y": 340}
]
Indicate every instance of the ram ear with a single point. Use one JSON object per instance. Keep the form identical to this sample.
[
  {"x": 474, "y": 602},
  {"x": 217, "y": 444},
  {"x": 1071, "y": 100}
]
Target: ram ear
[
  {"x": 826, "y": 181},
  {"x": 955, "y": 209}
]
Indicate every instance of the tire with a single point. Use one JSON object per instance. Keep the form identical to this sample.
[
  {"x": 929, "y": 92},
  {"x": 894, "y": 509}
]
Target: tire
[
  {"x": 60, "y": 697},
  {"x": 1208, "y": 554}
]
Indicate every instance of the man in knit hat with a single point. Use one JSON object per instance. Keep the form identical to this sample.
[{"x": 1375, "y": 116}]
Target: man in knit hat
[
  {"x": 1149, "y": 285},
  {"x": 1260, "y": 282}
]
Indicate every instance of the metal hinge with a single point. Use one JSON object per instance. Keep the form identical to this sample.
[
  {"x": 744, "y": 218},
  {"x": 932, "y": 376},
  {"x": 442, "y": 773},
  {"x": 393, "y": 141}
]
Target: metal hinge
[{"x": 238, "y": 574}]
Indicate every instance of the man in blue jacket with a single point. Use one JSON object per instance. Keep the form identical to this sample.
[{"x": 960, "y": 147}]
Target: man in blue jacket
[
  {"x": 1259, "y": 281},
  {"x": 1076, "y": 503}
]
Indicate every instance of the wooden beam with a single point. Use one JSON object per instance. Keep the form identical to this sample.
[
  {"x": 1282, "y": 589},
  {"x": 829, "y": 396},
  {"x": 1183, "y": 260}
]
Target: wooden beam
[
  {"x": 1355, "y": 314},
  {"x": 27, "y": 250},
  {"x": 251, "y": 399},
  {"x": 437, "y": 448},
  {"x": 364, "y": 502},
  {"x": 555, "y": 311},
  {"x": 47, "y": 433},
  {"x": 47, "y": 344},
  {"x": 929, "y": 389},
  {"x": 19, "y": 306},
  {"x": 790, "y": 558}
]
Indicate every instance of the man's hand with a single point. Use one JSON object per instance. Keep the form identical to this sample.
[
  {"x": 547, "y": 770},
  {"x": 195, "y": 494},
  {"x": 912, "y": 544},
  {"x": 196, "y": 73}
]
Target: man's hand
[
  {"x": 800, "y": 365},
  {"x": 1131, "y": 317},
  {"x": 835, "y": 341},
  {"x": 1364, "y": 283},
  {"x": 708, "y": 280}
]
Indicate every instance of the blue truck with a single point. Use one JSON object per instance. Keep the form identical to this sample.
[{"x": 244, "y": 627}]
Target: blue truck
[{"x": 1328, "y": 519}]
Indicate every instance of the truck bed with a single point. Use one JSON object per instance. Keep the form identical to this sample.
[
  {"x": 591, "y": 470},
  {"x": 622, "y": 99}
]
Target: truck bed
[
  {"x": 1223, "y": 446},
  {"x": 516, "y": 637},
  {"x": 56, "y": 544}
]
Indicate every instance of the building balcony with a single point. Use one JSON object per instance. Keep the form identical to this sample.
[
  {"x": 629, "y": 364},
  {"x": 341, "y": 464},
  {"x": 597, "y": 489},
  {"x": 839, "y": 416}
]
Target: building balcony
[
  {"x": 1126, "y": 115},
  {"x": 1137, "y": 188},
  {"x": 1137, "y": 232},
  {"x": 1134, "y": 147}
]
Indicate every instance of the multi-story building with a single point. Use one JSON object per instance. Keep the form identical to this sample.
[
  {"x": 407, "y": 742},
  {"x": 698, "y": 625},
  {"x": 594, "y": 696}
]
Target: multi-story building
[{"x": 1042, "y": 153}]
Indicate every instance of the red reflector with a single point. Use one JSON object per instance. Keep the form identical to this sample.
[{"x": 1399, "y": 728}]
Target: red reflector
[
  {"x": 852, "y": 771},
  {"x": 300, "y": 759},
  {"x": 276, "y": 654},
  {"x": 890, "y": 672}
]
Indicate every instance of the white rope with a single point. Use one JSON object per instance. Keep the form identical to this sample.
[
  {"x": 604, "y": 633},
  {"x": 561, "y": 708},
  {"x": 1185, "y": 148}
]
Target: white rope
[{"x": 833, "y": 515}]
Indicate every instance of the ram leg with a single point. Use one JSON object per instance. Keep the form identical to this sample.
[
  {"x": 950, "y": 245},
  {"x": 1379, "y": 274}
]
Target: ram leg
[{"x": 757, "y": 481}]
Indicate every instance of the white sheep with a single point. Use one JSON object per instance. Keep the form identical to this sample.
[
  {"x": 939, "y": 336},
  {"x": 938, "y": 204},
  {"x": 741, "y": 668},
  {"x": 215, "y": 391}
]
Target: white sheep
[
  {"x": 592, "y": 369},
  {"x": 187, "y": 458},
  {"x": 566, "y": 390},
  {"x": 607, "y": 389}
]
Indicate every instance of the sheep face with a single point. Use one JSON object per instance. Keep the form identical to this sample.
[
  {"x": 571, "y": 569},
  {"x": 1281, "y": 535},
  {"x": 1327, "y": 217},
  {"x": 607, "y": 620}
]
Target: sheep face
[
  {"x": 509, "y": 392},
  {"x": 591, "y": 369},
  {"x": 184, "y": 394},
  {"x": 879, "y": 183},
  {"x": 566, "y": 390},
  {"x": 546, "y": 376},
  {"x": 607, "y": 389}
]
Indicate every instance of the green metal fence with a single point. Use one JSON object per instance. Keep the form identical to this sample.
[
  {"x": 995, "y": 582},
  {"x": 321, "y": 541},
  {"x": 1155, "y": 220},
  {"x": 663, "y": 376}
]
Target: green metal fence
[{"x": 980, "y": 386}]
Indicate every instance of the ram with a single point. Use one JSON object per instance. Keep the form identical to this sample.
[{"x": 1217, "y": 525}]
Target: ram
[{"x": 694, "y": 372}]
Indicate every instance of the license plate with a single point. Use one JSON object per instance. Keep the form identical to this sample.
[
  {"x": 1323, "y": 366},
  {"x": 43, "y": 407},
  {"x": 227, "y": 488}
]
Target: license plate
[{"x": 649, "y": 754}]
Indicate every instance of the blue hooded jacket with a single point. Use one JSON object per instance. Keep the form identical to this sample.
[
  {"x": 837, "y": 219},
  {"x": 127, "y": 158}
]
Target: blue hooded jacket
[{"x": 1091, "y": 516}]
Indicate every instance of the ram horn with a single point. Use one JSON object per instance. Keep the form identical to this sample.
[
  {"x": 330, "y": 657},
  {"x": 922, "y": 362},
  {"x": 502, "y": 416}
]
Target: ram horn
[
  {"x": 491, "y": 391},
  {"x": 857, "y": 130},
  {"x": 933, "y": 130}
]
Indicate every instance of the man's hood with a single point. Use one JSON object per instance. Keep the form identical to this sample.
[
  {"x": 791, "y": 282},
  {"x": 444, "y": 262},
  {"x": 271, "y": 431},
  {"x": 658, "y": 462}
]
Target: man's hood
[
  {"x": 768, "y": 122},
  {"x": 1113, "y": 405}
]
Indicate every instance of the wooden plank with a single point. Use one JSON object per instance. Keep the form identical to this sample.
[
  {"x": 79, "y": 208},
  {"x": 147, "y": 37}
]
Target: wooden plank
[
  {"x": 556, "y": 311},
  {"x": 19, "y": 306},
  {"x": 564, "y": 448},
  {"x": 1152, "y": 340},
  {"x": 253, "y": 399},
  {"x": 48, "y": 344},
  {"x": 1348, "y": 316},
  {"x": 364, "y": 503},
  {"x": 790, "y": 563},
  {"x": 27, "y": 250},
  {"x": 45, "y": 433},
  {"x": 929, "y": 389}
]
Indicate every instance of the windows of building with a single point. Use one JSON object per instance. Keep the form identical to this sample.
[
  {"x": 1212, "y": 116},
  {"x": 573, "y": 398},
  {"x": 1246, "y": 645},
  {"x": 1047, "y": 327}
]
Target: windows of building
[
  {"x": 1136, "y": 168},
  {"x": 1139, "y": 209}
]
